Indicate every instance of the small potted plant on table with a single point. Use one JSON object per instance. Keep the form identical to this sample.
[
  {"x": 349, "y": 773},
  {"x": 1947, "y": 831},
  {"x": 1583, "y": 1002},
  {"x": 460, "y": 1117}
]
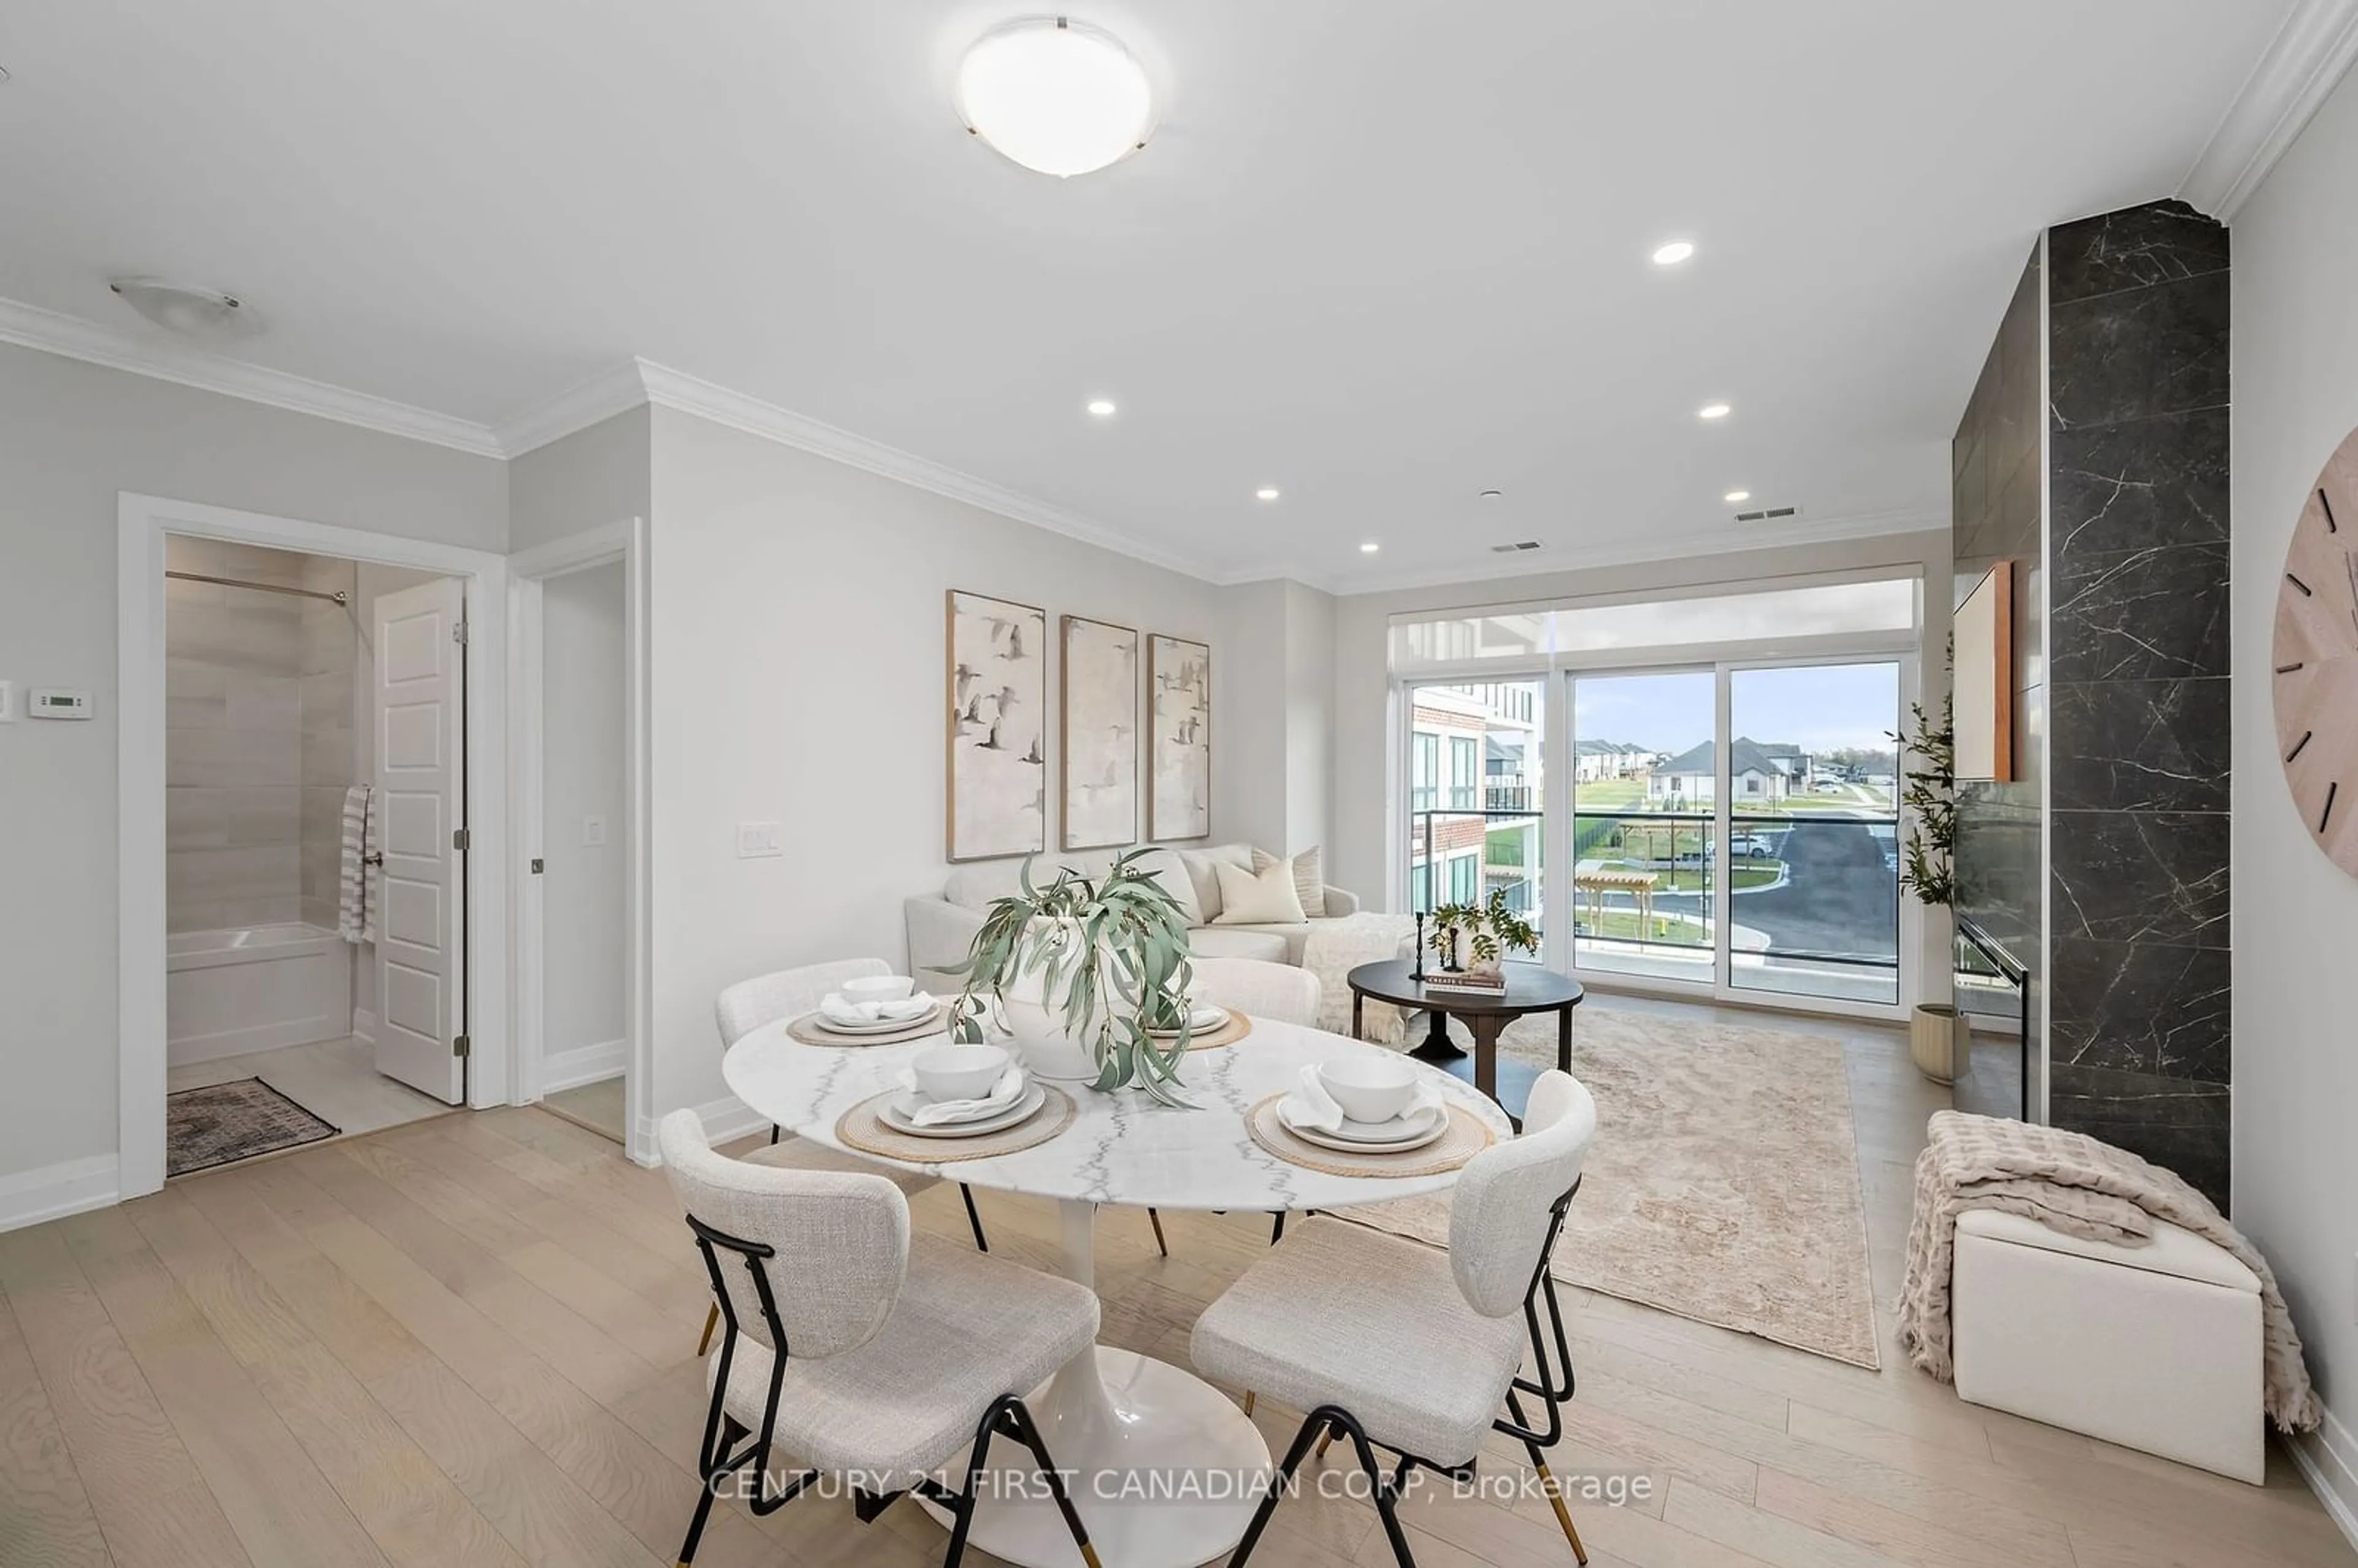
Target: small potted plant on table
[{"x": 1489, "y": 931}]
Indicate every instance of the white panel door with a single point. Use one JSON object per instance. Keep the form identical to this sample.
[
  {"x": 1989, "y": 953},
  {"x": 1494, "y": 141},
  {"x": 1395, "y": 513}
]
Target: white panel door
[{"x": 420, "y": 924}]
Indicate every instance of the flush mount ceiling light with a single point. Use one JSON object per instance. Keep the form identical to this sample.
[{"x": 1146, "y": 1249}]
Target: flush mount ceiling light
[
  {"x": 1056, "y": 95},
  {"x": 1266, "y": 493},
  {"x": 1736, "y": 495},
  {"x": 1673, "y": 254},
  {"x": 193, "y": 312},
  {"x": 1102, "y": 407},
  {"x": 1712, "y": 411}
]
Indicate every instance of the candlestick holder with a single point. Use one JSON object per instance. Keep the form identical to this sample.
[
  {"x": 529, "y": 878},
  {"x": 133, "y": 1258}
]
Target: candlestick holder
[{"x": 1417, "y": 973}]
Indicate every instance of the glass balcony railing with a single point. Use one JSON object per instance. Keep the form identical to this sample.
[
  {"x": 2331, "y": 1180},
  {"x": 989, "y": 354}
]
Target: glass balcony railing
[{"x": 1462, "y": 857}]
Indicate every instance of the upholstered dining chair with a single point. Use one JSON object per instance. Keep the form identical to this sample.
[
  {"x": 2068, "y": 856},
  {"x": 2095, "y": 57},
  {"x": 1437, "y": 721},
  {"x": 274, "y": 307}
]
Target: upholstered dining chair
[
  {"x": 863, "y": 1351},
  {"x": 788, "y": 993},
  {"x": 1392, "y": 1344},
  {"x": 1279, "y": 993}
]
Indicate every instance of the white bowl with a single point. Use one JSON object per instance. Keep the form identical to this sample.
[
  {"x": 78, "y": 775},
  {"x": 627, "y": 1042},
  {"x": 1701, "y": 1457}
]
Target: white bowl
[
  {"x": 958, "y": 1072},
  {"x": 1367, "y": 1087},
  {"x": 879, "y": 987}
]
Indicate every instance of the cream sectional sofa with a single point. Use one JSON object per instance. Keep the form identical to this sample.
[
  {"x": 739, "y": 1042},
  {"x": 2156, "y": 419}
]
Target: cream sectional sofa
[{"x": 942, "y": 928}]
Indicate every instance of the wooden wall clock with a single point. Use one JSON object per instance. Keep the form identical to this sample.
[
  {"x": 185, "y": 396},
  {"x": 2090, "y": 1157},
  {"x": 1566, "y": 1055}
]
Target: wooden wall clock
[{"x": 2317, "y": 660}]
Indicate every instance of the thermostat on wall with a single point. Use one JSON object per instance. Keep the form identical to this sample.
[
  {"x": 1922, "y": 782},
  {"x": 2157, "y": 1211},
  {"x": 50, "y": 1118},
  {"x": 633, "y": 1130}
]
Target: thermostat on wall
[{"x": 56, "y": 702}]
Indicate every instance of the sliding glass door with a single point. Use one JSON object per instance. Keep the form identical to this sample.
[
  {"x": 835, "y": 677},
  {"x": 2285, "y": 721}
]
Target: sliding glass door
[
  {"x": 1476, "y": 803},
  {"x": 1644, "y": 796},
  {"x": 1813, "y": 830}
]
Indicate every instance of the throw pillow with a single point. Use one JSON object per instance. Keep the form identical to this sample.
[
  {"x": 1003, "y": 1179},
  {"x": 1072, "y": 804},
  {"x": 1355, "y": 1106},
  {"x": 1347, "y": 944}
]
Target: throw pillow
[
  {"x": 1165, "y": 867},
  {"x": 1309, "y": 878},
  {"x": 1268, "y": 899}
]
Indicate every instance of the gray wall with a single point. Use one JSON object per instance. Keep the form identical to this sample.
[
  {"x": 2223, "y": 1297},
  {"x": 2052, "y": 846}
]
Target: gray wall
[
  {"x": 2137, "y": 360},
  {"x": 73, "y": 437},
  {"x": 2296, "y": 983}
]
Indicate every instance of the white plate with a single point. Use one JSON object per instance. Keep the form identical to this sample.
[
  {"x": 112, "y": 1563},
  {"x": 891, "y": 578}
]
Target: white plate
[
  {"x": 1396, "y": 1136},
  {"x": 894, "y": 1114},
  {"x": 1204, "y": 1019},
  {"x": 882, "y": 1026}
]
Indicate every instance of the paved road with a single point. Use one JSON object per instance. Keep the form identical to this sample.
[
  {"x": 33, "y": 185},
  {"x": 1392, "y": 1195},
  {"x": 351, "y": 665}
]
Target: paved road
[{"x": 1839, "y": 897}]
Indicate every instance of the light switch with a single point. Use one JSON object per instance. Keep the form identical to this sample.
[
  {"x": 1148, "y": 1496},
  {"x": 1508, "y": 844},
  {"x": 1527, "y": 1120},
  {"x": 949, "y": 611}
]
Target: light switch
[
  {"x": 593, "y": 832},
  {"x": 758, "y": 840}
]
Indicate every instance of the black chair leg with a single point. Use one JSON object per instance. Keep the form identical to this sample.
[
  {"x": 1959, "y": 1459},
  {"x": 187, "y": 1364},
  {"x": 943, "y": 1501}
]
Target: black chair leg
[
  {"x": 973, "y": 1218},
  {"x": 1386, "y": 1488},
  {"x": 1278, "y": 1486},
  {"x": 730, "y": 1432},
  {"x": 776, "y": 1132},
  {"x": 1277, "y": 1227},
  {"x": 1155, "y": 1219},
  {"x": 1019, "y": 1416}
]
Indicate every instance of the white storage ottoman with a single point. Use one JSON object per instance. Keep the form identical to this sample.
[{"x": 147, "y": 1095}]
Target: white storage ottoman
[{"x": 2155, "y": 1347}]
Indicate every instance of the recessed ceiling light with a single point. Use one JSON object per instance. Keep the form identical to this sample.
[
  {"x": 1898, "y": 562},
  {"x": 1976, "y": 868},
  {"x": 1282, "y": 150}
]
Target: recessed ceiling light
[
  {"x": 1734, "y": 496},
  {"x": 1102, "y": 407},
  {"x": 1266, "y": 493},
  {"x": 186, "y": 308},
  {"x": 1673, "y": 254},
  {"x": 1492, "y": 494},
  {"x": 1056, "y": 95},
  {"x": 1712, "y": 411},
  {"x": 1369, "y": 549}
]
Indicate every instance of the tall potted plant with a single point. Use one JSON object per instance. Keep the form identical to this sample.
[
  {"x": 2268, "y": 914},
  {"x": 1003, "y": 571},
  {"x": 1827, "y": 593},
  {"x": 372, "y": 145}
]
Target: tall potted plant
[
  {"x": 1938, "y": 1036},
  {"x": 1080, "y": 970}
]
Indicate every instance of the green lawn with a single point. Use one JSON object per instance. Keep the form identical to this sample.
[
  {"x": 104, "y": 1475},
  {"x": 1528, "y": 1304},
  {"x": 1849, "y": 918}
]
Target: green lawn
[{"x": 1667, "y": 929}]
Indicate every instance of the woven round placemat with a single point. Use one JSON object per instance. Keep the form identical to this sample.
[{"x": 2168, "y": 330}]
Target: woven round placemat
[
  {"x": 859, "y": 1129},
  {"x": 1228, "y": 1033},
  {"x": 806, "y": 1029},
  {"x": 1467, "y": 1136}
]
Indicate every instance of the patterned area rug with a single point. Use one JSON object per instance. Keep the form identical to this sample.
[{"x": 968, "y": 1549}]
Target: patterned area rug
[
  {"x": 1722, "y": 1184},
  {"x": 221, "y": 1123}
]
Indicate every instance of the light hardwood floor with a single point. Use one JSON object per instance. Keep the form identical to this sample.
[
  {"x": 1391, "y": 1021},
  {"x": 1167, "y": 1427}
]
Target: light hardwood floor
[
  {"x": 469, "y": 1340},
  {"x": 598, "y": 1107}
]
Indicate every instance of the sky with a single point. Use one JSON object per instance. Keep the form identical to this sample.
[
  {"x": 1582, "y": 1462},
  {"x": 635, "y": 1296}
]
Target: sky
[{"x": 1818, "y": 708}]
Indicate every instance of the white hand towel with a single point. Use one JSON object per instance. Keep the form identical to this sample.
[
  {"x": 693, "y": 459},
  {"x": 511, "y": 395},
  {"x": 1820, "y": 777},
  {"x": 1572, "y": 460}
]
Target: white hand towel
[
  {"x": 907, "y": 1009},
  {"x": 356, "y": 894},
  {"x": 938, "y": 1113}
]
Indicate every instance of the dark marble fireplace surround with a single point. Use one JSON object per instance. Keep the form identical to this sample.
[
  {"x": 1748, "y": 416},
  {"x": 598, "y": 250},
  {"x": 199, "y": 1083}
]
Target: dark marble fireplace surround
[{"x": 2134, "y": 561}]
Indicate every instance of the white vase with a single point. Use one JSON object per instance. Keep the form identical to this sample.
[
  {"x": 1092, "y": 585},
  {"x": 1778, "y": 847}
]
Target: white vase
[{"x": 1048, "y": 1047}]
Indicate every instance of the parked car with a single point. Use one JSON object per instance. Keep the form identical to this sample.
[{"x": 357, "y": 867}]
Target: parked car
[
  {"x": 1751, "y": 846},
  {"x": 1827, "y": 786}
]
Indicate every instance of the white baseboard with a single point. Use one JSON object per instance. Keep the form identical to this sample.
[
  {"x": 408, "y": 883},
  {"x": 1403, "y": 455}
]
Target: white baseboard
[
  {"x": 2328, "y": 1459},
  {"x": 364, "y": 1026},
  {"x": 52, "y": 1192},
  {"x": 582, "y": 1064},
  {"x": 191, "y": 1049}
]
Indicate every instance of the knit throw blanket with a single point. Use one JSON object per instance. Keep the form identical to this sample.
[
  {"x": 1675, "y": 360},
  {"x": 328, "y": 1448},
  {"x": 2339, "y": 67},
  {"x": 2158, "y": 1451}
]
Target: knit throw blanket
[
  {"x": 1338, "y": 946},
  {"x": 2072, "y": 1183}
]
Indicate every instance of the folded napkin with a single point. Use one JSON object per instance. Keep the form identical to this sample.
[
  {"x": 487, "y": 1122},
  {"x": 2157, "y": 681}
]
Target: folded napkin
[
  {"x": 1311, "y": 1107},
  {"x": 935, "y": 1113},
  {"x": 836, "y": 1009}
]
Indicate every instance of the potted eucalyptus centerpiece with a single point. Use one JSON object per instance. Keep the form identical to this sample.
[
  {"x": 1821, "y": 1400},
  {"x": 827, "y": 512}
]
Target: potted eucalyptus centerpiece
[
  {"x": 1939, "y": 1034},
  {"x": 1080, "y": 970}
]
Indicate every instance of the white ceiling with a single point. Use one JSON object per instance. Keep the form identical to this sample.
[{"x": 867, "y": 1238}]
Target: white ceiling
[{"x": 1382, "y": 254}]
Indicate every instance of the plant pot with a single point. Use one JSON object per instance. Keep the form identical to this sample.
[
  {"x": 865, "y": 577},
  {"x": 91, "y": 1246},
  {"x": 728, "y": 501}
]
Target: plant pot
[
  {"x": 1939, "y": 1040},
  {"x": 1039, "y": 1029}
]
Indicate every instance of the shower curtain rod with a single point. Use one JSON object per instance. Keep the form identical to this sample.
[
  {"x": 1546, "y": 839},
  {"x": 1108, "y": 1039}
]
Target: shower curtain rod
[{"x": 337, "y": 597}]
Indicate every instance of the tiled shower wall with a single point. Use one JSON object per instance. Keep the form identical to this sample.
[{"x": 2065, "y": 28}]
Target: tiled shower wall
[{"x": 258, "y": 689}]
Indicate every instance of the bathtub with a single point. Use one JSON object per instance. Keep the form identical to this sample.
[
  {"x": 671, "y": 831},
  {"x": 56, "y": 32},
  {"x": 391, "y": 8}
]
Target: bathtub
[{"x": 254, "y": 989}]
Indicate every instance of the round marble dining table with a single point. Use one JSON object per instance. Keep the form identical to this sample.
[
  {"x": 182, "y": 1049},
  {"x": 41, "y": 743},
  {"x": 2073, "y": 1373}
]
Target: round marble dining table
[{"x": 1163, "y": 1466}]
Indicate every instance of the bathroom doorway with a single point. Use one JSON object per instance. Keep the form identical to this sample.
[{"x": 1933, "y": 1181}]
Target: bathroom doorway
[
  {"x": 313, "y": 751},
  {"x": 309, "y": 765}
]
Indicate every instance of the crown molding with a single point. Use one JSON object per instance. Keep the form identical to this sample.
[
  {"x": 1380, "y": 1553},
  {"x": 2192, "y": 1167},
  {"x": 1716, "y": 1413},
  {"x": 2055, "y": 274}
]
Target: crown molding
[
  {"x": 1829, "y": 531},
  {"x": 31, "y": 327},
  {"x": 686, "y": 394},
  {"x": 617, "y": 389},
  {"x": 2303, "y": 63}
]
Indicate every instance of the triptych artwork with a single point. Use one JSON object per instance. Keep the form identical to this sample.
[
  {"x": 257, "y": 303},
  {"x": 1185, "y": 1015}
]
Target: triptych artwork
[{"x": 998, "y": 710}]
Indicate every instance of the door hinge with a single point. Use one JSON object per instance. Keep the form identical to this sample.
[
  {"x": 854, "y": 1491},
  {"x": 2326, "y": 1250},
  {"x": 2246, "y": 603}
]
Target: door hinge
[
  {"x": 538, "y": 865},
  {"x": 462, "y": 1046},
  {"x": 459, "y": 633},
  {"x": 460, "y": 838}
]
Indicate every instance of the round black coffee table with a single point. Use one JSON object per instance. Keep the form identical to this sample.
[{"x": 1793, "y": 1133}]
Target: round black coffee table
[{"x": 1530, "y": 989}]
